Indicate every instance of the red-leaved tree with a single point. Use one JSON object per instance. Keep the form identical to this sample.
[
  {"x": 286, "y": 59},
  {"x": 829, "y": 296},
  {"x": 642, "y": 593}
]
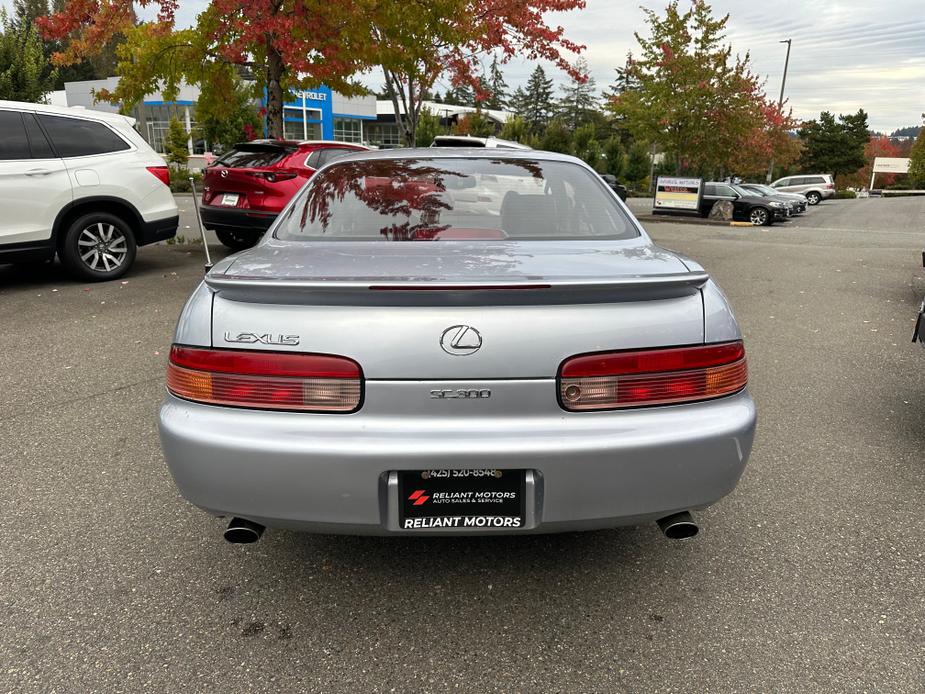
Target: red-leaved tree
[
  {"x": 285, "y": 44},
  {"x": 292, "y": 44},
  {"x": 417, "y": 43}
]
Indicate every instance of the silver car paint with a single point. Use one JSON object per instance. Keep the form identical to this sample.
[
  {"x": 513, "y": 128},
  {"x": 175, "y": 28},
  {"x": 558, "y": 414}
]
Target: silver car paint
[{"x": 330, "y": 473}]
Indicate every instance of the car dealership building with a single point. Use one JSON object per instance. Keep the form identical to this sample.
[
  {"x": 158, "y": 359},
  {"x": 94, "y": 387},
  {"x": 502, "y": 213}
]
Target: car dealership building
[{"x": 313, "y": 114}]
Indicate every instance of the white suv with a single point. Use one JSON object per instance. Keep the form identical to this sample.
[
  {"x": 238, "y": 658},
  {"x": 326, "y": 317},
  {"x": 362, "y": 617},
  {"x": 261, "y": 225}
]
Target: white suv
[
  {"x": 82, "y": 184},
  {"x": 816, "y": 188}
]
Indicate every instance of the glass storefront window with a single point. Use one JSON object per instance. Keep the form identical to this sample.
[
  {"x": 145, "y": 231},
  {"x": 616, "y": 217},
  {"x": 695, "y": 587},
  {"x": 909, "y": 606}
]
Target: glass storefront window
[
  {"x": 348, "y": 130},
  {"x": 383, "y": 135},
  {"x": 295, "y": 128}
]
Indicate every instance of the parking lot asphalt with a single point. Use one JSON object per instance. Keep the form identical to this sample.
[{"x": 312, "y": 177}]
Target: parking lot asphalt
[{"x": 810, "y": 577}]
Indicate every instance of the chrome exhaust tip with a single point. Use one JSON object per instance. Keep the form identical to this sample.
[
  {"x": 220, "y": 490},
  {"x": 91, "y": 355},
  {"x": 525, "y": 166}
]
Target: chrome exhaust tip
[
  {"x": 678, "y": 526},
  {"x": 241, "y": 531}
]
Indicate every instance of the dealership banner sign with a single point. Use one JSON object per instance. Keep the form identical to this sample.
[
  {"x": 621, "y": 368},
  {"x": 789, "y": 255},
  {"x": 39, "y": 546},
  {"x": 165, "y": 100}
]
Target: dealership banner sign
[
  {"x": 678, "y": 194},
  {"x": 894, "y": 165}
]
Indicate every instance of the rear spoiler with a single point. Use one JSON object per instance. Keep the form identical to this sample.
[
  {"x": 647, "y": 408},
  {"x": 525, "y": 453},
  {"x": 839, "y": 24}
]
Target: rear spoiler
[{"x": 258, "y": 289}]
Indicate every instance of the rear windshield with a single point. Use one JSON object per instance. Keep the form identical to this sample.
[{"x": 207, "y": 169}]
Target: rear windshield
[
  {"x": 252, "y": 157},
  {"x": 454, "y": 199}
]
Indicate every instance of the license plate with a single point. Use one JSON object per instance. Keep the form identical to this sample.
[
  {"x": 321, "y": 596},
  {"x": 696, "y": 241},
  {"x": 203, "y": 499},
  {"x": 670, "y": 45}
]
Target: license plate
[
  {"x": 467, "y": 499},
  {"x": 230, "y": 199}
]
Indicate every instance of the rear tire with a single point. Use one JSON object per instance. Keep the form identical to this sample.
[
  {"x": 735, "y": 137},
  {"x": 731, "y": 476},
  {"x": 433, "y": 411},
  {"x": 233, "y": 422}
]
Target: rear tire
[
  {"x": 813, "y": 198},
  {"x": 236, "y": 240},
  {"x": 759, "y": 217},
  {"x": 97, "y": 247}
]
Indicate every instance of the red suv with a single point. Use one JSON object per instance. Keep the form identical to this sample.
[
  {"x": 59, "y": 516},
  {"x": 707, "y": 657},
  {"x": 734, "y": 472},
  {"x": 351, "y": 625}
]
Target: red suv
[{"x": 249, "y": 185}]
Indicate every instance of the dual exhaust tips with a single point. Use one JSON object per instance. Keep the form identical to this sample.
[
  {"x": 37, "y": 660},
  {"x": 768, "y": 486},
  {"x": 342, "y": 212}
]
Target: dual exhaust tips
[{"x": 677, "y": 526}]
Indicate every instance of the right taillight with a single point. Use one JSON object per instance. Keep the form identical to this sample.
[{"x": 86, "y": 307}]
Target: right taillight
[
  {"x": 639, "y": 378},
  {"x": 161, "y": 173},
  {"x": 265, "y": 380}
]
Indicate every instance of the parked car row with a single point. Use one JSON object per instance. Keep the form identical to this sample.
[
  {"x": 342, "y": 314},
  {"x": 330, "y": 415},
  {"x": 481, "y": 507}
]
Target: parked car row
[
  {"x": 245, "y": 189},
  {"x": 85, "y": 186},
  {"x": 763, "y": 205}
]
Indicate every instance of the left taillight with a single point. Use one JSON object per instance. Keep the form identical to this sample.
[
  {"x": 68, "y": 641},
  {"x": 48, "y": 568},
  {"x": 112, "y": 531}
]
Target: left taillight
[
  {"x": 162, "y": 173},
  {"x": 275, "y": 176},
  {"x": 640, "y": 378},
  {"x": 265, "y": 380}
]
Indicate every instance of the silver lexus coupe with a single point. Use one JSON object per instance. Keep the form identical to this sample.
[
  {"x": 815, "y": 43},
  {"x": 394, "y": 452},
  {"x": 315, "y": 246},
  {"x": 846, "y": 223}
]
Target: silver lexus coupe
[{"x": 453, "y": 340}]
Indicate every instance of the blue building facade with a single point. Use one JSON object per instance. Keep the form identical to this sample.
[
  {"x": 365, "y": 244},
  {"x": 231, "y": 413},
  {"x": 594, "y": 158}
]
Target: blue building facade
[{"x": 321, "y": 114}]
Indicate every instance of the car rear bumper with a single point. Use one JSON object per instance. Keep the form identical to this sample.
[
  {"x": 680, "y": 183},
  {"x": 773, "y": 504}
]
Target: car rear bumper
[
  {"x": 158, "y": 230},
  {"x": 331, "y": 473},
  {"x": 237, "y": 220}
]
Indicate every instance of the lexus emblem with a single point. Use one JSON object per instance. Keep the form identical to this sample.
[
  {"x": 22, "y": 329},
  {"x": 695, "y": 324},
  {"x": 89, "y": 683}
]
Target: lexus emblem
[
  {"x": 460, "y": 340},
  {"x": 224, "y": 173}
]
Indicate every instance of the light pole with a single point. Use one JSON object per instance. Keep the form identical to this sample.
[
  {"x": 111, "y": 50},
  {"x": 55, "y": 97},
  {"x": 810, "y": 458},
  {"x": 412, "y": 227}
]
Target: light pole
[{"x": 780, "y": 101}]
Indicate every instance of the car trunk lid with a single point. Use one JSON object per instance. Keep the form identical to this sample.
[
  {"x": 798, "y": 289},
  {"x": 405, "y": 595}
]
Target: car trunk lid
[{"x": 397, "y": 308}]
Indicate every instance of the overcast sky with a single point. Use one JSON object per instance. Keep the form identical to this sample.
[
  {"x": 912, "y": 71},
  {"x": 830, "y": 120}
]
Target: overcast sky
[{"x": 847, "y": 54}]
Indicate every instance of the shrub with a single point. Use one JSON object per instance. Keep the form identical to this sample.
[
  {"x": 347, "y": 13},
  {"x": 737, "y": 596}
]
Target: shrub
[
  {"x": 179, "y": 181},
  {"x": 845, "y": 195},
  {"x": 175, "y": 145}
]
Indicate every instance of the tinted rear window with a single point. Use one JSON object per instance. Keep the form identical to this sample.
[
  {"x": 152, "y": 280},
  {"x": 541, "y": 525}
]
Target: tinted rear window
[
  {"x": 252, "y": 157},
  {"x": 73, "y": 137},
  {"x": 454, "y": 199},
  {"x": 320, "y": 157},
  {"x": 13, "y": 143}
]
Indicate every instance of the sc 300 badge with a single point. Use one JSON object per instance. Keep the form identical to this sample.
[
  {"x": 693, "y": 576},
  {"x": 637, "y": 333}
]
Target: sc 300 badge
[{"x": 461, "y": 394}]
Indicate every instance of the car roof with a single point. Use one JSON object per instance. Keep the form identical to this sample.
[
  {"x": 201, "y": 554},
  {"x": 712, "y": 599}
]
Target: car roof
[
  {"x": 458, "y": 153},
  {"x": 73, "y": 111},
  {"x": 469, "y": 140},
  {"x": 304, "y": 143},
  {"x": 298, "y": 144}
]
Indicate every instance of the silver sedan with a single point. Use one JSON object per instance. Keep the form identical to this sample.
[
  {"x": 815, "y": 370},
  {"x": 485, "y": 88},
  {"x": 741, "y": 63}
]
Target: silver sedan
[{"x": 385, "y": 362}]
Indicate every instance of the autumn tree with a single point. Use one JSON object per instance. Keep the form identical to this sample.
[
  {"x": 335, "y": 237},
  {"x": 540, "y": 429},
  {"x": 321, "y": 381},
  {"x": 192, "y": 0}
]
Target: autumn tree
[
  {"x": 288, "y": 44},
  {"x": 475, "y": 124},
  {"x": 579, "y": 98},
  {"x": 416, "y": 43},
  {"x": 769, "y": 137},
  {"x": 877, "y": 146},
  {"x": 690, "y": 95},
  {"x": 228, "y": 114}
]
